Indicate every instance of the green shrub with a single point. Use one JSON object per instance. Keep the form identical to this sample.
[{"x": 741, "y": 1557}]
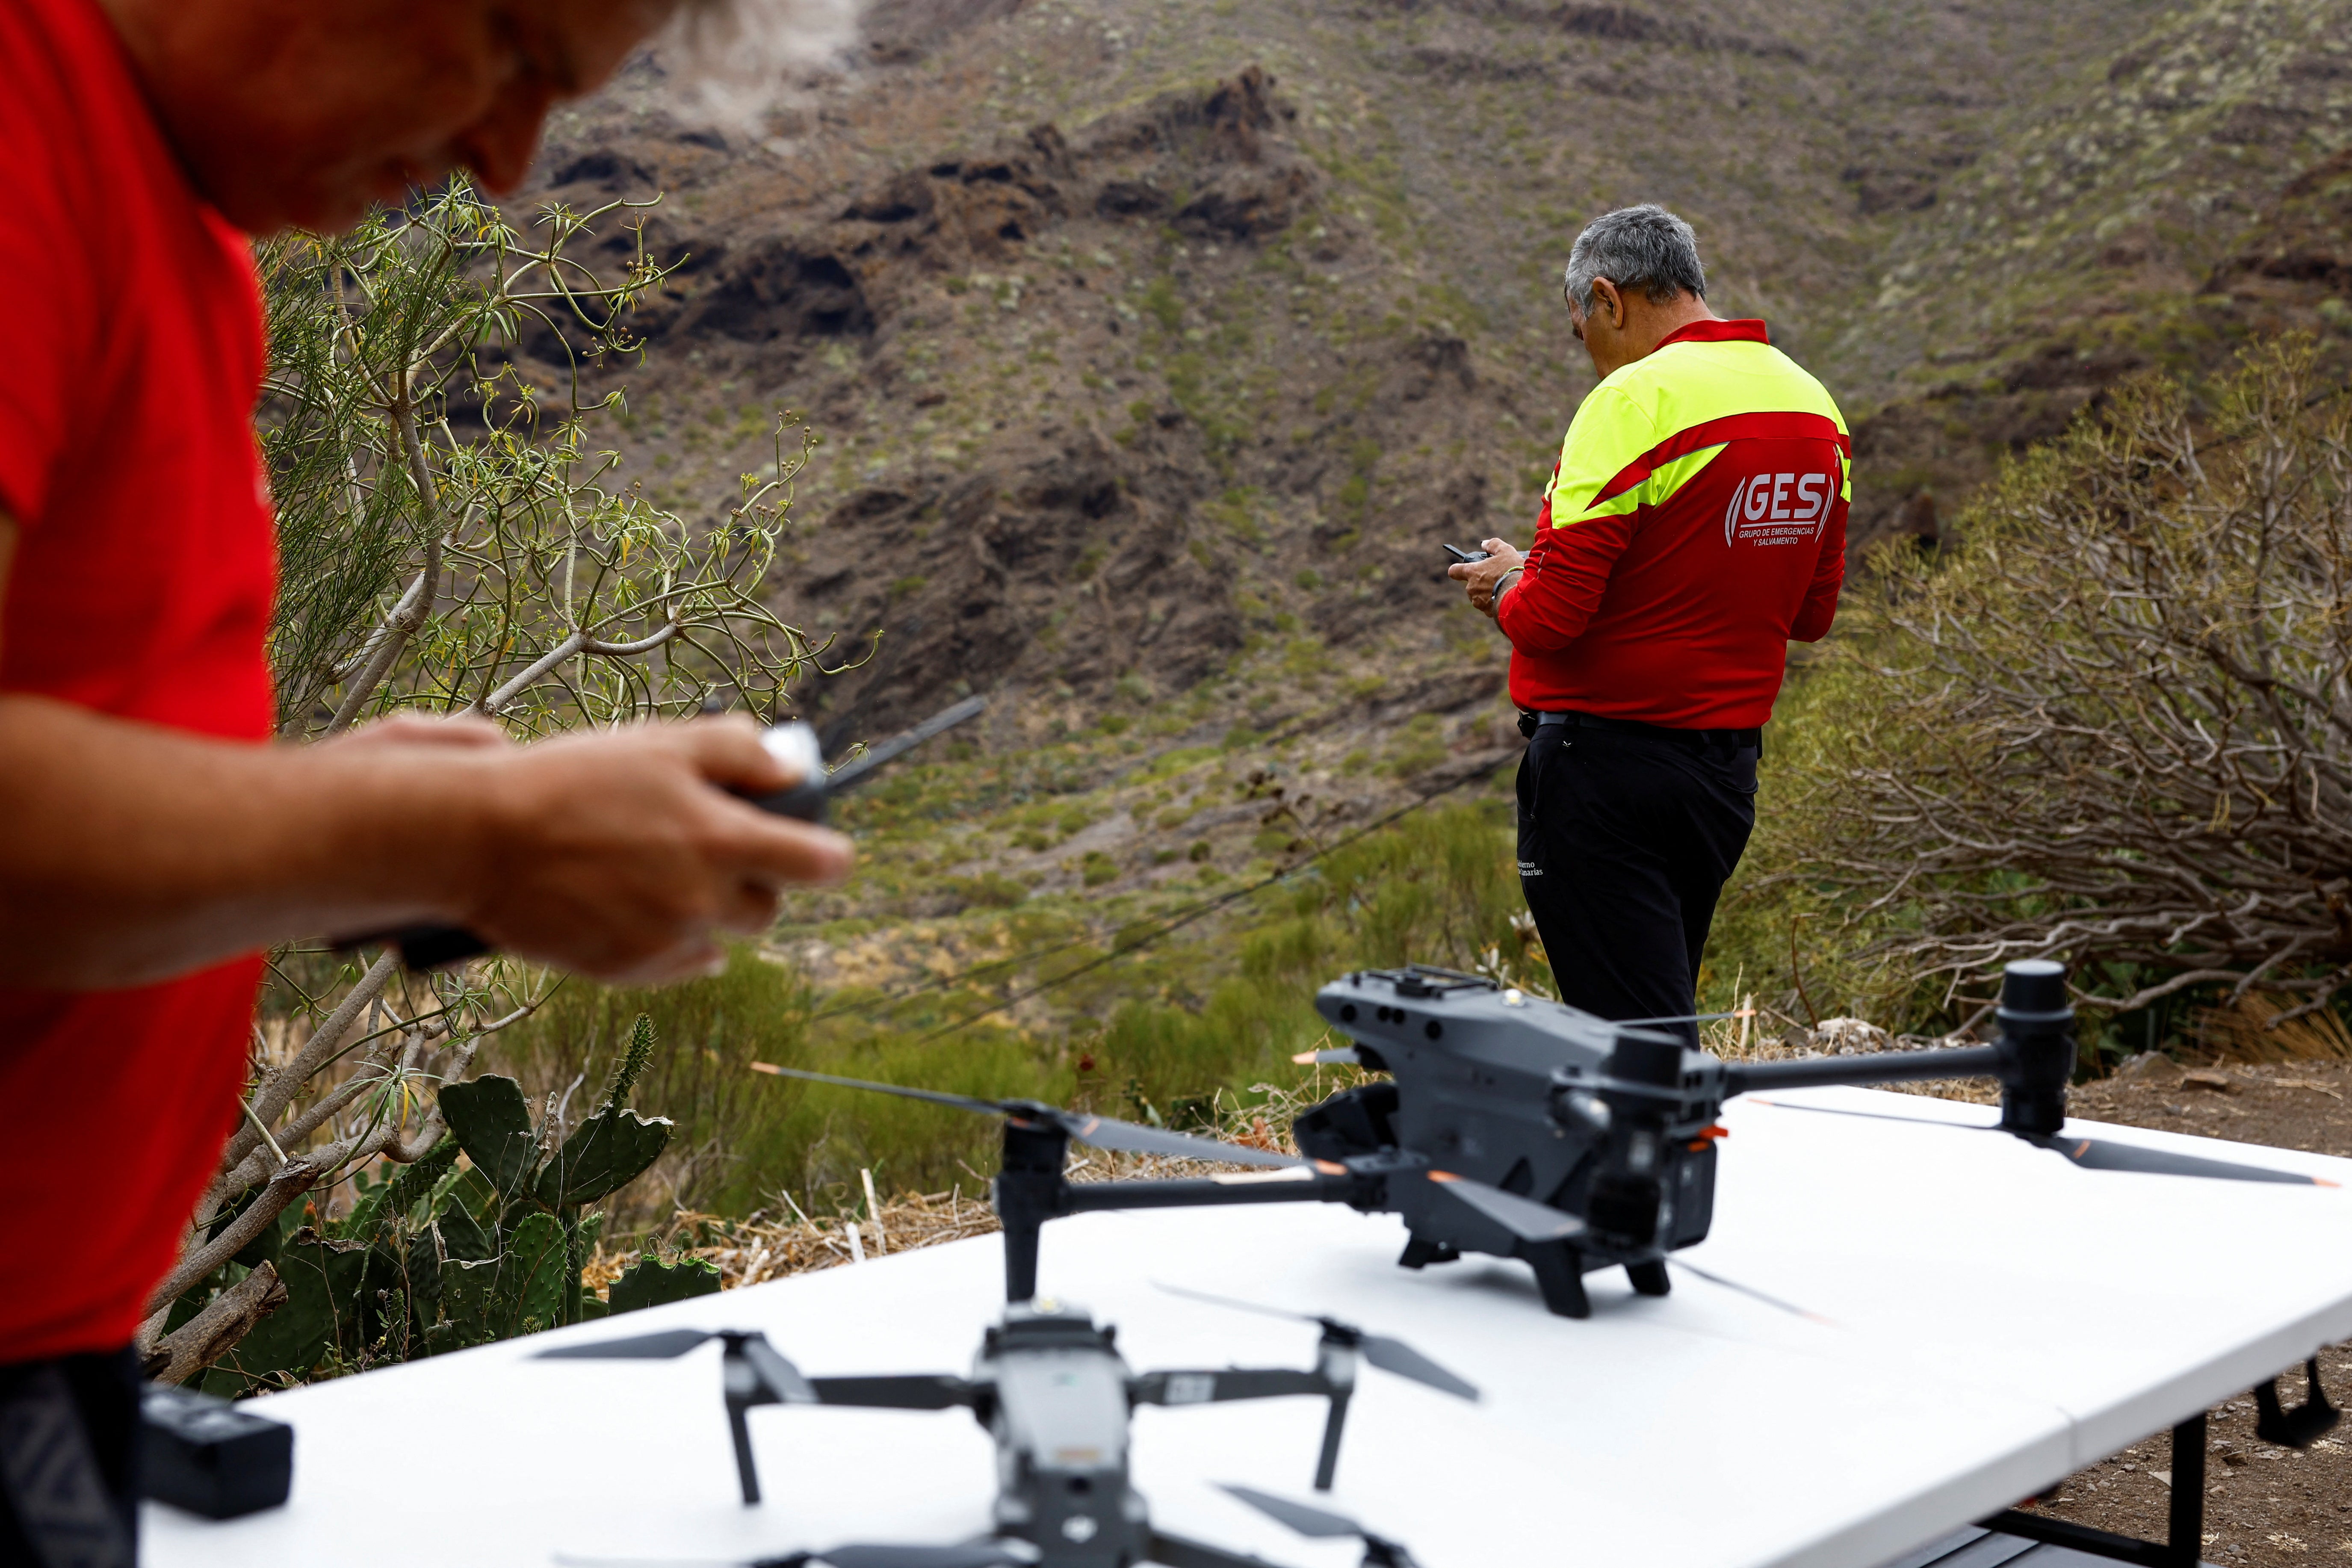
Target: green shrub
[{"x": 990, "y": 889}]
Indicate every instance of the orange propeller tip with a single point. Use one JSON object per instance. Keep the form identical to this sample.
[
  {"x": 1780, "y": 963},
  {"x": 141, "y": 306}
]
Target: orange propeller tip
[
  {"x": 1443, "y": 1176},
  {"x": 2324, "y": 1182},
  {"x": 766, "y": 1068},
  {"x": 1303, "y": 1058}
]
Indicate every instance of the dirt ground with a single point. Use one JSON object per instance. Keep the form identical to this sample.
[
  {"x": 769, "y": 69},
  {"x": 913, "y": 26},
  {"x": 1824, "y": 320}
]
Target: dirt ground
[{"x": 2264, "y": 1505}]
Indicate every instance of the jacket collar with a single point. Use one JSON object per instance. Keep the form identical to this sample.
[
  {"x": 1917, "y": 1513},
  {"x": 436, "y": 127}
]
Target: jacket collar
[{"x": 1750, "y": 330}]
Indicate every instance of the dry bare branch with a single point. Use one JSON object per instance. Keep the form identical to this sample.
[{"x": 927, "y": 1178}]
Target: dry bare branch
[{"x": 2114, "y": 727}]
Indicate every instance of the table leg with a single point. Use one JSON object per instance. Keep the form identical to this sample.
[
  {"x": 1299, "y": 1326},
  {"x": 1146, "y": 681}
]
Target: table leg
[
  {"x": 2185, "y": 1537},
  {"x": 2186, "y": 1533}
]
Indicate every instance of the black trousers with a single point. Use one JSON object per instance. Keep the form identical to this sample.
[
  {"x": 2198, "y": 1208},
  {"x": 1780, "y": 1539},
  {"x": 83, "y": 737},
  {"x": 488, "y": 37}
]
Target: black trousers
[
  {"x": 1626, "y": 841},
  {"x": 69, "y": 1461}
]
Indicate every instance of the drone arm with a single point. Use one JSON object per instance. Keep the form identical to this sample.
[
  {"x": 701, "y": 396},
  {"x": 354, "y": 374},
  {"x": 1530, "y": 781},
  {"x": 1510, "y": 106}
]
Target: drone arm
[
  {"x": 1879, "y": 1066},
  {"x": 919, "y": 1391},
  {"x": 1226, "y": 1383},
  {"x": 1318, "y": 1183}
]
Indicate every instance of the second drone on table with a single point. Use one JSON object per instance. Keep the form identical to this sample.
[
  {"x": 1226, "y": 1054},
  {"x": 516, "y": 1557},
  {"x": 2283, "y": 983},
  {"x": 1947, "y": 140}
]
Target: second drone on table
[{"x": 1051, "y": 1388}]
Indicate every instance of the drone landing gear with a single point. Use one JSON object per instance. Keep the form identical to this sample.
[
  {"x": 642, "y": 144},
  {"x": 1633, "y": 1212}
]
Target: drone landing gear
[
  {"x": 1559, "y": 1275},
  {"x": 1650, "y": 1278},
  {"x": 1421, "y": 1252},
  {"x": 1326, "y": 1465}
]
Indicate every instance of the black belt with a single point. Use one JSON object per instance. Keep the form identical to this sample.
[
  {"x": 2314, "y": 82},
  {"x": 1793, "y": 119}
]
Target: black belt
[{"x": 1688, "y": 740}]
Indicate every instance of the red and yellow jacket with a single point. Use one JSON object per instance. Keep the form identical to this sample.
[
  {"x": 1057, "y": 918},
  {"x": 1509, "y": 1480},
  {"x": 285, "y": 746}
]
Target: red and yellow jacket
[{"x": 1695, "y": 525}]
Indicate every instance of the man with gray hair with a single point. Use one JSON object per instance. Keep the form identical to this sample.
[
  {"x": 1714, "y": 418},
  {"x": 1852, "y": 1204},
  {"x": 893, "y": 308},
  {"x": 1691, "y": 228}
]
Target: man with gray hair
[{"x": 1693, "y": 526}]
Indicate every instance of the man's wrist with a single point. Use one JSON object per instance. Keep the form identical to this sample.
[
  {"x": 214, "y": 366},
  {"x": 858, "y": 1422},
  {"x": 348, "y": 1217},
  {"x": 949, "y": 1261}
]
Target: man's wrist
[
  {"x": 415, "y": 827},
  {"x": 1503, "y": 586}
]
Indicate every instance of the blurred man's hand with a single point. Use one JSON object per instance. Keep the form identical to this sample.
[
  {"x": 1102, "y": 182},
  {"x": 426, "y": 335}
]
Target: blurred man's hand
[
  {"x": 1478, "y": 578},
  {"x": 619, "y": 855}
]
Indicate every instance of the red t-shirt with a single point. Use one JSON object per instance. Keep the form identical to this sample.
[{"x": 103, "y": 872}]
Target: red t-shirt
[{"x": 131, "y": 357}]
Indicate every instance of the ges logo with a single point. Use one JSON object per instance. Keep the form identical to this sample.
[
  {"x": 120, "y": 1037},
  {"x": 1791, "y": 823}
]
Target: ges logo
[{"x": 1779, "y": 509}]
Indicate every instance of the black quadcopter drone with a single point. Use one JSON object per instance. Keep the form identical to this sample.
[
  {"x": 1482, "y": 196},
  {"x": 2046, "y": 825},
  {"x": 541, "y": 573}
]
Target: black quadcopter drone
[
  {"x": 1523, "y": 1128},
  {"x": 1052, "y": 1389}
]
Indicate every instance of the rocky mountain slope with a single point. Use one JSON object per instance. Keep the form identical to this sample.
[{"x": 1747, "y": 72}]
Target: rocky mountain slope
[{"x": 1157, "y": 344}]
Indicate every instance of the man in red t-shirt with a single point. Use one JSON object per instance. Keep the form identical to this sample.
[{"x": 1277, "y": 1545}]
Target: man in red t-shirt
[{"x": 151, "y": 842}]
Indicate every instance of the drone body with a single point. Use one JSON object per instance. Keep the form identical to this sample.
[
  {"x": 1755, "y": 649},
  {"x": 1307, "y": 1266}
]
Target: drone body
[
  {"x": 1526, "y": 1129},
  {"x": 1616, "y": 1125},
  {"x": 1052, "y": 1391},
  {"x": 1479, "y": 1090},
  {"x": 1056, "y": 1395}
]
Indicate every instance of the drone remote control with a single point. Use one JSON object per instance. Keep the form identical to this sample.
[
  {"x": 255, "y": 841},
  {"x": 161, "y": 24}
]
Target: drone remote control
[{"x": 794, "y": 744}]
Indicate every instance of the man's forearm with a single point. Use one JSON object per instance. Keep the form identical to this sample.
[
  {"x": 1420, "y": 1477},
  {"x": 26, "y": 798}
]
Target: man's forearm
[
  {"x": 1567, "y": 572},
  {"x": 130, "y": 852}
]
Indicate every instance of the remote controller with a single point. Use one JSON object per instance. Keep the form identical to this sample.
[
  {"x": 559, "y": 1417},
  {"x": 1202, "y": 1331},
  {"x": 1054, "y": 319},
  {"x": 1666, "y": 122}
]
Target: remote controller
[{"x": 794, "y": 744}]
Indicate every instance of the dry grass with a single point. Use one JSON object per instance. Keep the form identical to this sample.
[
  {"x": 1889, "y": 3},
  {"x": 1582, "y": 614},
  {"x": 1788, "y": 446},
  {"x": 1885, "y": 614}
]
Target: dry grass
[
  {"x": 1747, "y": 1039},
  {"x": 746, "y": 1251},
  {"x": 2251, "y": 1031}
]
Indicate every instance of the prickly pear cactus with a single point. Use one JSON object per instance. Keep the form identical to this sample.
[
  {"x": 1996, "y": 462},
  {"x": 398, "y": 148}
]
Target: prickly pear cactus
[
  {"x": 492, "y": 1124},
  {"x": 448, "y": 1254},
  {"x": 650, "y": 1282},
  {"x": 612, "y": 1149}
]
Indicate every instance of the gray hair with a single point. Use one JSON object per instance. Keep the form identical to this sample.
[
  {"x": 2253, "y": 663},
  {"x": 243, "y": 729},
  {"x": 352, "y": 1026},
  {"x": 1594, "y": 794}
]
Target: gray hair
[{"x": 1645, "y": 248}]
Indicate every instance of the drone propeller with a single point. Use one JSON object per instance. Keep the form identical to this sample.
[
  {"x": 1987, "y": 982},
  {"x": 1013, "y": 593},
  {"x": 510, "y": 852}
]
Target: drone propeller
[
  {"x": 1391, "y": 1355},
  {"x": 774, "y": 1369},
  {"x": 981, "y": 1554},
  {"x": 1101, "y": 1131},
  {"x": 753, "y": 1372},
  {"x": 1322, "y": 1524},
  {"x": 2105, "y": 1154},
  {"x": 2092, "y": 1154},
  {"x": 976, "y": 1554},
  {"x": 1750, "y": 1290},
  {"x": 660, "y": 1346},
  {"x": 1523, "y": 1218}
]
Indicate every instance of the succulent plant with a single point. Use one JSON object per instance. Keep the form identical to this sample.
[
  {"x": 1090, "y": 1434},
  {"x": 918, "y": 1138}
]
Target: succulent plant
[{"x": 446, "y": 1255}]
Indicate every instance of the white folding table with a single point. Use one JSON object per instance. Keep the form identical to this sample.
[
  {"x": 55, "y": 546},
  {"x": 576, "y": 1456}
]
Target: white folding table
[{"x": 1995, "y": 1318}]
